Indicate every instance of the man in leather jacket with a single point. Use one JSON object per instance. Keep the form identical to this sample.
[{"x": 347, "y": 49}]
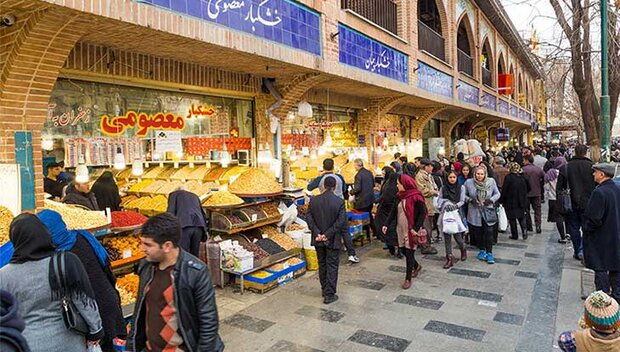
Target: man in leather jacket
[{"x": 176, "y": 306}]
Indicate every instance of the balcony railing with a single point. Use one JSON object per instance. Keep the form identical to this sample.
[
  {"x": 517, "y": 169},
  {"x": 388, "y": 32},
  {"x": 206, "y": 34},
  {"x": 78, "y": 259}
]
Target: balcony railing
[
  {"x": 465, "y": 63},
  {"x": 487, "y": 78},
  {"x": 431, "y": 41},
  {"x": 381, "y": 12}
]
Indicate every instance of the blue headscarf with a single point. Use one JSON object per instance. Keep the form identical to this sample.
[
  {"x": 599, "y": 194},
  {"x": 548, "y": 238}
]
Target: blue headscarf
[{"x": 65, "y": 240}]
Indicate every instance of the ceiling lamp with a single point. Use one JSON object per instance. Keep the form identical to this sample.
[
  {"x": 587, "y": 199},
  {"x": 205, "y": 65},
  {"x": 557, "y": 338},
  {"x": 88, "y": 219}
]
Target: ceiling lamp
[
  {"x": 304, "y": 109},
  {"x": 136, "y": 168},
  {"x": 81, "y": 173},
  {"x": 47, "y": 143},
  {"x": 119, "y": 159},
  {"x": 328, "y": 139}
]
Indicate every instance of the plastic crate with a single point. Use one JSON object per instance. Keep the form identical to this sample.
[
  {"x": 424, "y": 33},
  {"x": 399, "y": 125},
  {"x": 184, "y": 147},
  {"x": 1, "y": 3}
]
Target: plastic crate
[{"x": 355, "y": 215}]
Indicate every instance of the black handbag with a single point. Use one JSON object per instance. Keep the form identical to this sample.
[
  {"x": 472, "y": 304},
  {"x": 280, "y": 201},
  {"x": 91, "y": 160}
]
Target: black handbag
[
  {"x": 563, "y": 199},
  {"x": 70, "y": 315},
  {"x": 489, "y": 215}
]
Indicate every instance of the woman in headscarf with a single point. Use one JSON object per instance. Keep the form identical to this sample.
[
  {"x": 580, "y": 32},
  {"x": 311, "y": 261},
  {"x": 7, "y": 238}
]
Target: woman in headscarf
[
  {"x": 551, "y": 182},
  {"x": 106, "y": 192},
  {"x": 408, "y": 214},
  {"x": 481, "y": 193},
  {"x": 451, "y": 197},
  {"x": 386, "y": 203},
  {"x": 410, "y": 170},
  {"x": 465, "y": 174},
  {"x": 30, "y": 278},
  {"x": 186, "y": 206},
  {"x": 95, "y": 259},
  {"x": 514, "y": 200}
]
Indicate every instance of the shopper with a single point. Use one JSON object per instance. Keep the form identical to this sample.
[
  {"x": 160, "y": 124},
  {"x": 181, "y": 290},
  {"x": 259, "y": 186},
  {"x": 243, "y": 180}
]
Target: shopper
[
  {"x": 97, "y": 265},
  {"x": 539, "y": 159},
  {"x": 555, "y": 212},
  {"x": 387, "y": 199},
  {"x": 40, "y": 295},
  {"x": 80, "y": 194},
  {"x": 11, "y": 325},
  {"x": 465, "y": 173},
  {"x": 106, "y": 192},
  {"x": 536, "y": 178},
  {"x": 451, "y": 198},
  {"x": 408, "y": 214},
  {"x": 364, "y": 193},
  {"x": 499, "y": 170},
  {"x": 481, "y": 193},
  {"x": 328, "y": 169},
  {"x": 426, "y": 184},
  {"x": 410, "y": 170},
  {"x": 175, "y": 309},
  {"x": 514, "y": 200},
  {"x": 600, "y": 327},
  {"x": 187, "y": 208},
  {"x": 51, "y": 184},
  {"x": 327, "y": 220},
  {"x": 577, "y": 177},
  {"x": 459, "y": 163},
  {"x": 601, "y": 231}
]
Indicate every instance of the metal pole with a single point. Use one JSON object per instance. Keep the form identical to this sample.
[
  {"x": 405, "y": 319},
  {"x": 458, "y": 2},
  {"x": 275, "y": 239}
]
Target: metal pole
[{"x": 605, "y": 128}]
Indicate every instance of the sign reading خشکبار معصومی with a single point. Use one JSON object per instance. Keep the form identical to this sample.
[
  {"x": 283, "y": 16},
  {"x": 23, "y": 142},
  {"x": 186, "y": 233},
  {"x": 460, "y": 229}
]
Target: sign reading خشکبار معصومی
[{"x": 142, "y": 123}]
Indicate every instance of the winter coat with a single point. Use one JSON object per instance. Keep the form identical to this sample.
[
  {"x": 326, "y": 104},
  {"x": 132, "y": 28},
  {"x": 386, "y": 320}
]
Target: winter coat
[
  {"x": 87, "y": 200},
  {"x": 578, "y": 172},
  {"x": 514, "y": 195},
  {"x": 474, "y": 212},
  {"x": 387, "y": 200},
  {"x": 601, "y": 230},
  {"x": 364, "y": 189},
  {"x": 536, "y": 178}
]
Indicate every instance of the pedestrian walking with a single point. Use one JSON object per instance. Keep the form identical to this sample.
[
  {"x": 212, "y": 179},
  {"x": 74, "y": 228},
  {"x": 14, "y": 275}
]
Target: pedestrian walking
[
  {"x": 364, "y": 193},
  {"x": 327, "y": 220},
  {"x": 106, "y": 192},
  {"x": 539, "y": 159},
  {"x": 576, "y": 176},
  {"x": 500, "y": 171},
  {"x": 514, "y": 199},
  {"x": 39, "y": 290},
  {"x": 451, "y": 198},
  {"x": 187, "y": 208},
  {"x": 600, "y": 327},
  {"x": 175, "y": 309},
  {"x": 465, "y": 173},
  {"x": 387, "y": 199},
  {"x": 481, "y": 193},
  {"x": 426, "y": 184},
  {"x": 601, "y": 231},
  {"x": 536, "y": 178},
  {"x": 555, "y": 210},
  {"x": 13, "y": 325},
  {"x": 408, "y": 214}
]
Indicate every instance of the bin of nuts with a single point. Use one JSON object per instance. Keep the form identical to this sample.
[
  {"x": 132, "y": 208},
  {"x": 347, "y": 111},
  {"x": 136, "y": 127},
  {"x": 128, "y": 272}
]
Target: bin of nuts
[{"x": 5, "y": 222}]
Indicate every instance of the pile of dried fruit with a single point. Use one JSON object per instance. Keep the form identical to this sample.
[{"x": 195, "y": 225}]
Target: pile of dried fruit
[
  {"x": 127, "y": 287},
  {"x": 77, "y": 218},
  {"x": 255, "y": 182},
  {"x": 123, "y": 243},
  {"x": 138, "y": 187},
  {"x": 295, "y": 227},
  {"x": 223, "y": 198},
  {"x": 283, "y": 241},
  {"x": 270, "y": 209},
  {"x": 127, "y": 218},
  {"x": 259, "y": 253},
  {"x": 269, "y": 246},
  {"x": 5, "y": 222}
]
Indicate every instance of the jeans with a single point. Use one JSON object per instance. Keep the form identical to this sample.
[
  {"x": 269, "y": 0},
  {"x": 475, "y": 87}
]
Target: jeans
[
  {"x": 484, "y": 236},
  {"x": 514, "y": 231},
  {"x": 533, "y": 203},
  {"x": 574, "y": 222},
  {"x": 608, "y": 282},
  {"x": 458, "y": 237},
  {"x": 329, "y": 259},
  {"x": 190, "y": 239},
  {"x": 348, "y": 244},
  {"x": 410, "y": 260}
]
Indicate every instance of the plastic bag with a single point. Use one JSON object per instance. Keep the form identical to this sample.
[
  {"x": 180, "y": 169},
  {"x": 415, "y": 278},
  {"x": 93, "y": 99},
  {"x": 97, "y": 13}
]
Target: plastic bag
[
  {"x": 289, "y": 214},
  {"x": 452, "y": 223},
  {"x": 502, "y": 219},
  {"x": 94, "y": 348}
]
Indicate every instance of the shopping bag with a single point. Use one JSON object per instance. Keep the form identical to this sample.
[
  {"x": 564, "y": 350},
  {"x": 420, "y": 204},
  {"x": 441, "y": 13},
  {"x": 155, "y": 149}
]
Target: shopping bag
[
  {"x": 502, "y": 219},
  {"x": 452, "y": 223}
]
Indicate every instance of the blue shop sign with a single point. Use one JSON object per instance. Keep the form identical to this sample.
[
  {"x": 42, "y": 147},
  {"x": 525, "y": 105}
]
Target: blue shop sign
[
  {"x": 363, "y": 52},
  {"x": 489, "y": 101},
  {"x": 521, "y": 114},
  {"x": 468, "y": 93},
  {"x": 282, "y": 21},
  {"x": 434, "y": 81},
  {"x": 514, "y": 111},
  {"x": 503, "y": 107}
]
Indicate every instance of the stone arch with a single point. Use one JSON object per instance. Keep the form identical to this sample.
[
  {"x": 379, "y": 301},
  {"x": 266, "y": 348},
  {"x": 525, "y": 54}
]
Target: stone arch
[
  {"x": 294, "y": 90},
  {"x": 514, "y": 82},
  {"x": 424, "y": 115},
  {"x": 445, "y": 29},
  {"x": 466, "y": 40},
  {"x": 487, "y": 50},
  {"x": 501, "y": 64},
  {"x": 449, "y": 128}
]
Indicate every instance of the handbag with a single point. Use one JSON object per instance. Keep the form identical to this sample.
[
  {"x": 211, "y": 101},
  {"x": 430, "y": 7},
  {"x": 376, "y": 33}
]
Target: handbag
[
  {"x": 489, "y": 215},
  {"x": 563, "y": 198},
  {"x": 421, "y": 238},
  {"x": 70, "y": 315}
]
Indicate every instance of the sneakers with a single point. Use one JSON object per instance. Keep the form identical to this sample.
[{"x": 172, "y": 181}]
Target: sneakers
[
  {"x": 330, "y": 299},
  {"x": 354, "y": 259},
  {"x": 482, "y": 255},
  {"x": 490, "y": 258}
]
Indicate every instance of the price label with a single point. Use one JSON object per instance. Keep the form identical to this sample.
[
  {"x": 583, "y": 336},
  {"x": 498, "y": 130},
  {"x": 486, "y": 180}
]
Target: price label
[
  {"x": 254, "y": 217},
  {"x": 161, "y": 164},
  {"x": 126, "y": 253},
  {"x": 233, "y": 179},
  {"x": 176, "y": 165},
  {"x": 265, "y": 236}
]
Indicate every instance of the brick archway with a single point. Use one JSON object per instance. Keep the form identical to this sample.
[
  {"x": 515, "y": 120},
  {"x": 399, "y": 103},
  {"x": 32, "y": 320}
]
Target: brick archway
[{"x": 424, "y": 115}]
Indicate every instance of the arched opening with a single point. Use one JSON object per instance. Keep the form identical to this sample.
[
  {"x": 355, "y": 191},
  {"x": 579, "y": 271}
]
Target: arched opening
[
  {"x": 430, "y": 38},
  {"x": 521, "y": 89},
  {"x": 464, "y": 41},
  {"x": 514, "y": 83},
  {"x": 501, "y": 64},
  {"x": 486, "y": 64}
]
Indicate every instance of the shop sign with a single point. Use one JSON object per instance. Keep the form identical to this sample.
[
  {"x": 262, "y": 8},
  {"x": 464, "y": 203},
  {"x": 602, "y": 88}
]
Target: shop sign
[
  {"x": 168, "y": 141},
  {"x": 502, "y": 135},
  {"x": 200, "y": 111},
  {"x": 318, "y": 125},
  {"x": 514, "y": 111},
  {"x": 434, "y": 81},
  {"x": 363, "y": 52},
  {"x": 142, "y": 123},
  {"x": 282, "y": 21},
  {"x": 489, "y": 101},
  {"x": 503, "y": 107},
  {"x": 521, "y": 114},
  {"x": 68, "y": 118},
  {"x": 468, "y": 93}
]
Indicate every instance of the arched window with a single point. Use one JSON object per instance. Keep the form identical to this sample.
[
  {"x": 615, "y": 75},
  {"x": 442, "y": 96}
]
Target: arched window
[
  {"x": 430, "y": 38},
  {"x": 464, "y": 47},
  {"x": 486, "y": 63},
  {"x": 514, "y": 83}
]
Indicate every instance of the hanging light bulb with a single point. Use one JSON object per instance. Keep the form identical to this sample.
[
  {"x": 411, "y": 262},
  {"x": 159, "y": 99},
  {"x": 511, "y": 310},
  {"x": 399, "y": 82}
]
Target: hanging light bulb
[
  {"x": 137, "y": 168},
  {"x": 386, "y": 142},
  {"x": 304, "y": 109},
  {"x": 119, "y": 159},
  {"x": 47, "y": 143},
  {"x": 305, "y": 151},
  {"x": 291, "y": 115},
  {"x": 328, "y": 139},
  {"x": 81, "y": 173},
  {"x": 224, "y": 156}
]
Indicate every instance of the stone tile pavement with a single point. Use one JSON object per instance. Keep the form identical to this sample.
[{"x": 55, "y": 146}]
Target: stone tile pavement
[{"x": 519, "y": 304}]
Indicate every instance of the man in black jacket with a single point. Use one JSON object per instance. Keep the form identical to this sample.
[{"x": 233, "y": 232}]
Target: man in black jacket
[
  {"x": 80, "y": 194},
  {"x": 577, "y": 176},
  {"x": 175, "y": 309},
  {"x": 327, "y": 219},
  {"x": 364, "y": 192}
]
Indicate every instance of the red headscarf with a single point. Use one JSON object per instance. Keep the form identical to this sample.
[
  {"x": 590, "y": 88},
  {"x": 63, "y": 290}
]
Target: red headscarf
[{"x": 409, "y": 197}]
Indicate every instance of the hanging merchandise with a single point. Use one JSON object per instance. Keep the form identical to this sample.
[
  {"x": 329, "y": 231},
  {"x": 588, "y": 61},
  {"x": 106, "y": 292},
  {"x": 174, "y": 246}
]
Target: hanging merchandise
[
  {"x": 81, "y": 174},
  {"x": 304, "y": 109},
  {"x": 137, "y": 168},
  {"x": 119, "y": 159}
]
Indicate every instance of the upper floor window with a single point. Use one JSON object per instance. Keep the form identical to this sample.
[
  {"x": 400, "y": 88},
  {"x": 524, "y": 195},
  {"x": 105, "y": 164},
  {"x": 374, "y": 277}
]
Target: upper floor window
[
  {"x": 430, "y": 37},
  {"x": 486, "y": 63},
  {"x": 381, "y": 12},
  {"x": 464, "y": 47}
]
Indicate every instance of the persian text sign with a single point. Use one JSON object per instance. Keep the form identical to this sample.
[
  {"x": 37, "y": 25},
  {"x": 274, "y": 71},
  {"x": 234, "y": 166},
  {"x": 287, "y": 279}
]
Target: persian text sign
[
  {"x": 468, "y": 93},
  {"x": 514, "y": 111},
  {"x": 489, "y": 101},
  {"x": 282, "y": 21},
  {"x": 199, "y": 111},
  {"x": 363, "y": 52},
  {"x": 503, "y": 107},
  {"x": 433, "y": 80},
  {"x": 142, "y": 122},
  {"x": 68, "y": 118}
]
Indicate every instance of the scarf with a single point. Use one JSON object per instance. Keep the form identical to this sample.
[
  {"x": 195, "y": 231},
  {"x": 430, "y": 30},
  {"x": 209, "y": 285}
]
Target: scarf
[
  {"x": 515, "y": 168},
  {"x": 481, "y": 186},
  {"x": 65, "y": 239},
  {"x": 106, "y": 192},
  {"x": 31, "y": 240},
  {"x": 451, "y": 192},
  {"x": 409, "y": 197},
  {"x": 397, "y": 167},
  {"x": 389, "y": 188},
  {"x": 554, "y": 172}
]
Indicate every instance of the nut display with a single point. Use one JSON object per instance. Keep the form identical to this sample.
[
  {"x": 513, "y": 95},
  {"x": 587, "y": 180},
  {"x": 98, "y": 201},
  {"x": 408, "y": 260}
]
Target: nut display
[
  {"x": 127, "y": 287},
  {"x": 252, "y": 213},
  {"x": 169, "y": 187},
  {"x": 136, "y": 203},
  {"x": 138, "y": 187},
  {"x": 255, "y": 182},
  {"x": 222, "y": 198},
  {"x": 259, "y": 253},
  {"x": 77, "y": 218},
  {"x": 295, "y": 227},
  {"x": 269, "y": 246},
  {"x": 283, "y": 240},
  {"x": 154, "y": 187},
  {"x": 270, "y": 209},
  {"x": 199, "y": 173},
  {"x": 127, "y": 218},
  {"x": 154, "y": 172},
  {"x": 5, "y": 222},
  {"x": 123, "y": 245}
]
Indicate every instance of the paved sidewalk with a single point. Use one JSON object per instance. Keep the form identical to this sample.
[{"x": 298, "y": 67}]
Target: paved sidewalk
[{"x": 509, "y": 306}]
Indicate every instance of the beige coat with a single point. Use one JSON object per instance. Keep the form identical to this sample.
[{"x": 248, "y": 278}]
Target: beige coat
[{"x": 427, "y": 186}]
